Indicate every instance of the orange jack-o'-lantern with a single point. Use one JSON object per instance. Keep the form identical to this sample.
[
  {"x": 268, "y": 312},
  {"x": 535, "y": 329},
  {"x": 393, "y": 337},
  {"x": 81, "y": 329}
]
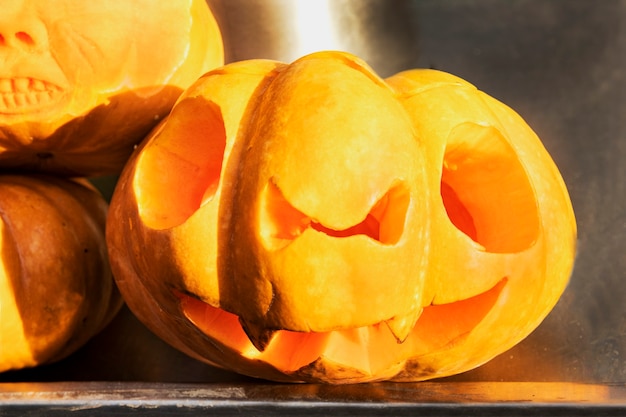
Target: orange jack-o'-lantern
[
  {"x": 56, "y": 287},
  {"x": 313, "y": 222},
  {"x": 82, "y": 82}
]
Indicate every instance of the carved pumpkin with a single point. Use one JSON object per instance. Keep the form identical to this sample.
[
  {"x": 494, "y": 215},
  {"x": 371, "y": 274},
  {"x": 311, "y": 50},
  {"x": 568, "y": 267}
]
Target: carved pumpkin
[
  {"x": 81, "y": 83},
  {"x": 313, "y": 222},
  {"x": 56, "y": 287}
]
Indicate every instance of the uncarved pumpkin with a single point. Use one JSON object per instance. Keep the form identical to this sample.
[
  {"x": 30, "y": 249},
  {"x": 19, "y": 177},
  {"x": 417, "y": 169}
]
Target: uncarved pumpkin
[
  {"x": 314, "y": 222},
  {"x": 56, "y": 287},
  {"x": 83, "y": 82}
]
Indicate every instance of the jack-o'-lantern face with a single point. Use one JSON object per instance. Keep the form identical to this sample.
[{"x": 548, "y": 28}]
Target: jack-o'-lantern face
[
  {"x": 119, "y": 65},
  {"x": 328, "y": 198},
  {"x": 331, "y": 226}
]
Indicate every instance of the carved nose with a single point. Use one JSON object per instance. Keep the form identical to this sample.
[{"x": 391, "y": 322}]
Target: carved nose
[
  {"x": 16, "y": 39},
  {"x": 20, "y": 28}
]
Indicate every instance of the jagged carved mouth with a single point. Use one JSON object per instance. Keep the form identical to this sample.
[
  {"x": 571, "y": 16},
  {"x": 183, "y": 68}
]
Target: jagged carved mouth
[
  {"x": 281, "y": 223},
  {"x": 438, "y": 327},
  {"x": 24, "y": 94}
]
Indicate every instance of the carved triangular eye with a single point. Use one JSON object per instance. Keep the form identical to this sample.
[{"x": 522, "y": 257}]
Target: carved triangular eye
[
  {"x": 181, "y": 167},
  {"x": 280, "y": 222},
  {"x": 486, "y": 191}
]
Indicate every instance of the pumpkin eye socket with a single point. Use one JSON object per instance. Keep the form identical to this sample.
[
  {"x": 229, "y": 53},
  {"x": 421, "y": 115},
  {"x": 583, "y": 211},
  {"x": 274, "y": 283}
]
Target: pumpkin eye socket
[
  {"x": 281, "y": 223},
  {"x": 177, "y": 171},
  {"x": 486, "y": 191}
]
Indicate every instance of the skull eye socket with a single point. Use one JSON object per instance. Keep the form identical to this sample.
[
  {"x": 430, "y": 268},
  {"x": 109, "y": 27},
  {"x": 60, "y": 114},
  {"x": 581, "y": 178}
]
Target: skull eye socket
[
  {"x": 486, "y": 191},
  {"x": 281, "y": 223}
]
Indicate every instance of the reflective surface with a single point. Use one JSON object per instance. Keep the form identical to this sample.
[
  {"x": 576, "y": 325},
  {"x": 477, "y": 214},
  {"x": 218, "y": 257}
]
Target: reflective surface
[
  {"x": 562, "y": 66},
  {"x": 427, "y": 399}
]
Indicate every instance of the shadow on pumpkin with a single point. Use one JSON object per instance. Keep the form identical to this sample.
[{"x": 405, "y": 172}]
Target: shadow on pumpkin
[
  {"x": 97, "y": 142},
  {"x": 56, "y": 289},
  {"x": 35, "y": 309}
]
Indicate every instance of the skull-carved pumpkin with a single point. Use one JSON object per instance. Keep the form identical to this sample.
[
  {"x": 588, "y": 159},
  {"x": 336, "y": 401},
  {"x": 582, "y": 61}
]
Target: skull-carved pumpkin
[
  {"x": 82, "y": 82},
  {"x": 313, "y": 222}
]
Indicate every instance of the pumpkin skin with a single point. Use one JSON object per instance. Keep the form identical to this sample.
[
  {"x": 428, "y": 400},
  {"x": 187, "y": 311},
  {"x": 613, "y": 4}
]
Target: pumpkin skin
[
  {"x": 294, "y": 186},
  {"x": 56, "y": 287},
  {"x": 81, "y": 83}
]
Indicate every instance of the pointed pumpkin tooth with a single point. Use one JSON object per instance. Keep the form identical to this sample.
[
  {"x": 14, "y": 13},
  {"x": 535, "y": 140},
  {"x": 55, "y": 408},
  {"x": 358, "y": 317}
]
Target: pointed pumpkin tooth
[
  {"x": 401, "y": 327},
  {"x": 259, "y": 336}
]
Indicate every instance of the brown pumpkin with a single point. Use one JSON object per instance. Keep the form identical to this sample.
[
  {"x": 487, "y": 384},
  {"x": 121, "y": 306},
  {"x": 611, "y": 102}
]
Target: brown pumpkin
[
  {"x": 56, "y": 288},
  {"x": 332, "y": 226},
  {"x": 81, "y": 83}
]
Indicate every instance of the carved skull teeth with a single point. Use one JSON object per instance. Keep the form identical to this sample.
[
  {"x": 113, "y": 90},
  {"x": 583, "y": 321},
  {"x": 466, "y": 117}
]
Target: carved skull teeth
[
  {"x": 38, "y": 85},
  {"x": 21, "y": 84},
  {"x": 18, "y": 94},
  {"x": 5, "y": 85}
]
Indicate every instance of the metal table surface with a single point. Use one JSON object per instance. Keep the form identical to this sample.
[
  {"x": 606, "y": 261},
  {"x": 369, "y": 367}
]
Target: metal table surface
[{"x": 562, "y": 65}]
